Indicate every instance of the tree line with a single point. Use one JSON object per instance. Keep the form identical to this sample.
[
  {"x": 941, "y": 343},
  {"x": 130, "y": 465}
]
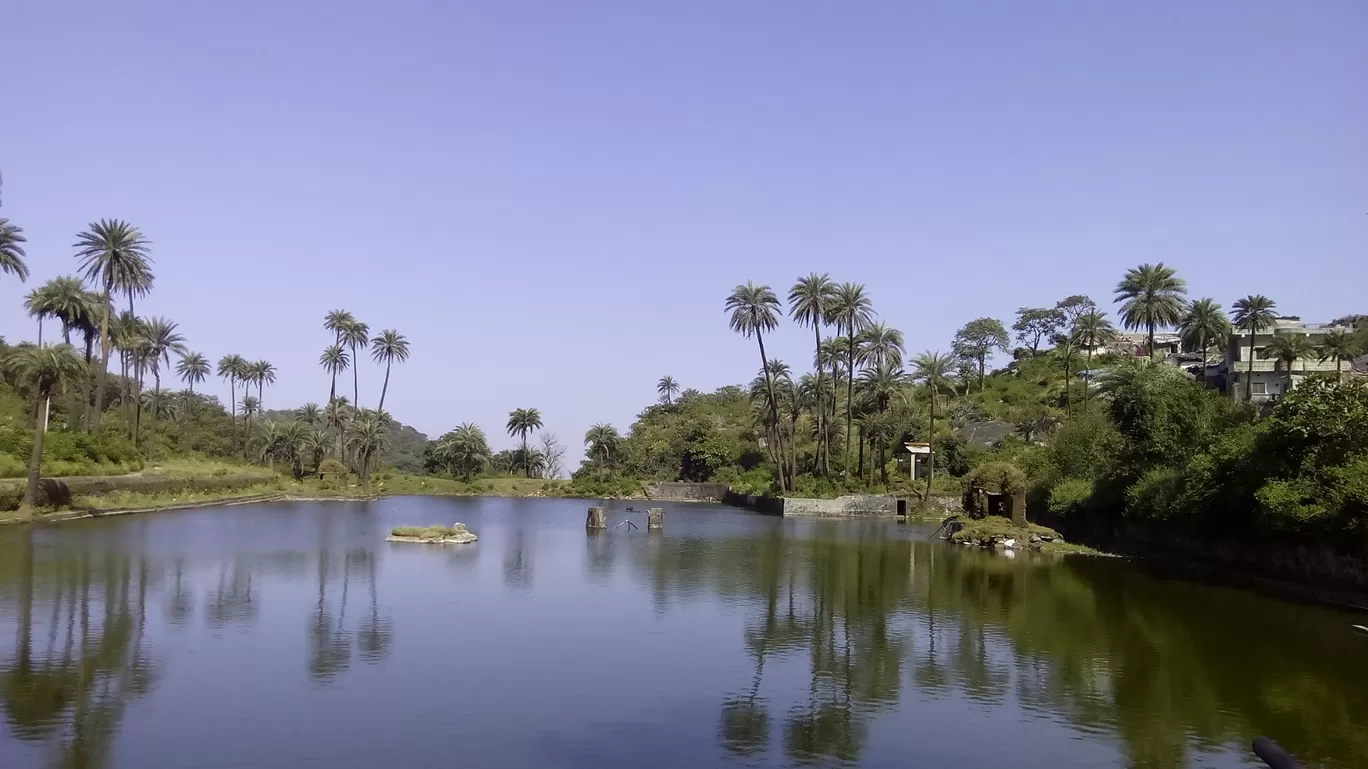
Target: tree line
[{"x": 114, "y": 265}]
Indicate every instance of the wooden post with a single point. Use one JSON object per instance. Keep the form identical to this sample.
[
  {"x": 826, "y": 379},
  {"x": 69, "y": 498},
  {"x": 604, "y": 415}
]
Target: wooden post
[
  {"x": 655, "y": 518},
  {"x": 597, "y": 519}
]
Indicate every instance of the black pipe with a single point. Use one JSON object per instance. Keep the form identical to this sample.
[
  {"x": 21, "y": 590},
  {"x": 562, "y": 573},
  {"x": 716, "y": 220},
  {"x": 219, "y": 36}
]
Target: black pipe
[{"x": 1273, "y": 755}]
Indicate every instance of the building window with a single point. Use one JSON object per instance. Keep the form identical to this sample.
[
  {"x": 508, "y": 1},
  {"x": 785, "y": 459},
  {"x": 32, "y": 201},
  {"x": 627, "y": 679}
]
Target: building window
[{"x": 1260, "y": 388}]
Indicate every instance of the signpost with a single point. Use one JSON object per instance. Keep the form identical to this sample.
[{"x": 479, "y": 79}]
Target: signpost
[{"x": 913, "y": 449}]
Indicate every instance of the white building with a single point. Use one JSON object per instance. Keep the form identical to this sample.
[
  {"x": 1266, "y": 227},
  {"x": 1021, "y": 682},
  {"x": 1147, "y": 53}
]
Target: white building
[{"x": 1269, "y": 380}]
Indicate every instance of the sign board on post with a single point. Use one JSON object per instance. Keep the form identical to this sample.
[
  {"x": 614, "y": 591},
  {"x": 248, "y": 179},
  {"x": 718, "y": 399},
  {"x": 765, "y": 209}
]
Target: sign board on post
[{"x": 917, "y": 448}]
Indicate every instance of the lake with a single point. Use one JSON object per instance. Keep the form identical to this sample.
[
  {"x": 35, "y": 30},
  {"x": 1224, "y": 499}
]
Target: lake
[{"x": 292, "y": 635}]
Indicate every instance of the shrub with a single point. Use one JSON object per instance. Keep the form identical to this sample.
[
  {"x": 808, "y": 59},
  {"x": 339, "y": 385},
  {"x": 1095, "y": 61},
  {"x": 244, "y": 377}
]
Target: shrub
[
  {"x": 331, "y": 467},
  {"x": 1155, "y": 494},
  {"x": 1069, "y": 496},
  {"x": 12, "y": 466}
]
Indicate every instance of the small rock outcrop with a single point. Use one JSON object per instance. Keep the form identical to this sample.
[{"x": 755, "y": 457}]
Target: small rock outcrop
[{"x": 455, "y": 534}]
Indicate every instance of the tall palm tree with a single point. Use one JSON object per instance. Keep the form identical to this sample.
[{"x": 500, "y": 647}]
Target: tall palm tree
[
  {"x": 115, "y": 257},
  {"x": 1287, "y": 349},
  {"x": 12, "y": 250},
  {"x": 250, "y": 406},
  {"x": 1091, "y": 330},
  {"x": 337, "y": 415},
  {"x": 881, "y": 345},
  {"x": 192, "y": 368},
  {"x": 1065, "y": 349},
  {"x": 754, "y": 310},
  {"x": 1152, "y": 295},
  {"x": 45, "y": 370},
  {"x": 521, "y": 423},
  {"x": 1254, "y": 313},
  {"x": 230, "y": 367},
  {"x": 809, "y": 300},
  {"x": 337, "y": 321},
  {"x": 933, "y": 369},
  {"x": 667, "y": 388},
  {"x": 162, "y": 339},
  {"x": 37, "y": 306},
  {"x": 1204, "y": 325},
  {"x": 1341, "y": 345},
  {"x": 880, "y": 383},
  {"x": 464, "y": 451},
  {"x": 355, "y": 335},
  {"x": 603, "y": 441},
  {"x": 66, "y": 299},
  {"x": 387, "y": 347},
  {"x": 851, "y": 310},
  {"x": 334, "y": 360},
  {"x": 261, "y": 373}
]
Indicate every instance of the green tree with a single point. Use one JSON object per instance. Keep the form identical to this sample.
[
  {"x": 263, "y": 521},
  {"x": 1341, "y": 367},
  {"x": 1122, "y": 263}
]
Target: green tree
[
  {"x": 387, "y": 347},
  {"x": 337, "y": 415},
  {"x": 753, "y": 311},
  {"x": 977, "y": 340},
  {"x": 12, "y": 250},
  {"x": 334, "y": 360},
  {"x": 1034, "y": 324},
  {"x": 521, "y": 423},
  {"x": 1340, "y": 345},
  {"x": 261, "y": 373},
  {"x": 667, "y": 388},
  {"x": 1151, "y": 296},
  {"x": 355, "y": 336},
  {"x": 880, "y": 344},
  {"x": 44, "y": 370},
  {"x": 1204, "y": 325},
  {"x": 1065, "y": 350},
  {"x": 1286, "y": 350},
  {"x": 851, "y": 310},
  {"x": 367, "y": 437},
  {"x": 192, "y": 368},
  {"x": 230, "y": 367},
  {"x": 603, "y": 442},
  {"x": 162, "y": 339},
  {"x": 63, "y": 298},
  {"x": 1254, "y": 313},
  {"x": 1090, "y": 331},
  {"x": 116, "y": 257},
  {"x": 810, "y": 301},
  {"x": 933, "y": 370},
  {"x": 463, "y": 451},
  {"x": 309, "y": 414}
]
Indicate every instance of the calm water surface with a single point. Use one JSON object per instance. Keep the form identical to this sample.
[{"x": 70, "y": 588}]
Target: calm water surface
[{"x": 291, "y": 635}]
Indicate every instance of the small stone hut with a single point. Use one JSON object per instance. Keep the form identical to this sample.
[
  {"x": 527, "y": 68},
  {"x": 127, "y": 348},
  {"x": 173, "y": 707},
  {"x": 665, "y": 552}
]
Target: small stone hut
[{"x": 997, "y": 488}]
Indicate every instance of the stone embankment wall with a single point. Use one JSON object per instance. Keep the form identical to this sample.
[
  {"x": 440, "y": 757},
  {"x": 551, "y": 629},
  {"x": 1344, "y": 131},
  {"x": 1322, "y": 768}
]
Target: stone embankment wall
[
  {"x": 688, "y": 492},
  {"x": 849, "y": 506},
  {"x": 59, "y": 491}
]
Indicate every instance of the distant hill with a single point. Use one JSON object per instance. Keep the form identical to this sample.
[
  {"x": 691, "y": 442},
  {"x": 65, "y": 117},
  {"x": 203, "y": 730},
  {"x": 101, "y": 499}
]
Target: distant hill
[{"x": 405, "y": 446}]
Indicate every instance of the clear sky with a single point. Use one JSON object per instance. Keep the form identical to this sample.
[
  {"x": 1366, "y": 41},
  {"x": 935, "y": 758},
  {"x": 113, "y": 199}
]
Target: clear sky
[{"x": 552, "y": 200}]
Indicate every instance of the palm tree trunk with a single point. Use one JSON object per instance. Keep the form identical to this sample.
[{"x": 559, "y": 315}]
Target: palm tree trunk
[
  {"x": 1249, "y": 376},
  {"x": 36, "y": 456},
  {"x": 850, "y": 392},
  {"x": 104, "y": 361},
  {"x": 821, "y": 413},
  {"x": 356, "y": 388},
  {"x": 527, "y": 461},
  {"x": 85, "y": 384},
  {"x": 860, "y": 464},
  {"x": 774, "y": 410},
  {"x": 1150, "y": 328},
  {"x": 931, "y": 440},
  {"x": 156, "y": 396},
  {"x": 1201, "y": 339},
  {"x": 137, "y": 405},
  {"x": 1086, "y": 384},
  {"x": 1068, "y": 402},
  {"x": 883, "y": 461},
  {"x": 385, "y": 388},
  {"x": 40, "y": 330}
]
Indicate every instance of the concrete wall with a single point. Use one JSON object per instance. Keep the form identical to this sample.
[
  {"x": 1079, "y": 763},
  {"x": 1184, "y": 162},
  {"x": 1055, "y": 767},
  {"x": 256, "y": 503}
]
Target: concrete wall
[
  {"x": 687, "y": 492},
  {"x": 843, "y": 507}
]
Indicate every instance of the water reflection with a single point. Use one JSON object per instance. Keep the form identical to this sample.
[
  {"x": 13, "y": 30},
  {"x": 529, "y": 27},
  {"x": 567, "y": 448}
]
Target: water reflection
[{"x": 830, "y": 627}]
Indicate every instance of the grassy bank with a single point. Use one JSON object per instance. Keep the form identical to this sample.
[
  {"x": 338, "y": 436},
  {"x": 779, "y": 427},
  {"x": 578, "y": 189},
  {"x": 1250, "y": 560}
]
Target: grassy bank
[{"x": 995, "y": 530}]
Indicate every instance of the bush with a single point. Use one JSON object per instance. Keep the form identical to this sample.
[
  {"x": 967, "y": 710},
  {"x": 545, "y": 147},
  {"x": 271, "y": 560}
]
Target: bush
[
  {"x": 12, "y": 466},
  {"x": 1069, "y": 496},
  {"x": 1155, "y": 494}
]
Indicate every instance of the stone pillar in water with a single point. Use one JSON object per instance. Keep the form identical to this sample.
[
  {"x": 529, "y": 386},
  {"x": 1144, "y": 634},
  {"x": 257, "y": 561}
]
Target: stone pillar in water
[
  {"x": 597, "y": 519},
  {"x": 655, "y": 518}
]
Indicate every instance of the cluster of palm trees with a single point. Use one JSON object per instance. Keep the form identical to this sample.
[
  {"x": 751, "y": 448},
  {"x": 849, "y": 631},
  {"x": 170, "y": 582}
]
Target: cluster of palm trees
[
  {"x": 858, "y": 380},
  {"x": 1153, "y": 297},
  {"x": 464, "y": 451},
  {"x": 115, "y": 263}
]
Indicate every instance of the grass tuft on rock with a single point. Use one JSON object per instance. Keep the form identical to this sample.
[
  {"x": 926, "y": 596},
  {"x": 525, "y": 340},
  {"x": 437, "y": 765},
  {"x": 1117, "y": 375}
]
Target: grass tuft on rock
[{"x": 422, "y": 532}]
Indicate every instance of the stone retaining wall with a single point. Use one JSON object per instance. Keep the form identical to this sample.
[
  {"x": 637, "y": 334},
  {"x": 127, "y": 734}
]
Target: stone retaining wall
[
  {"x": 849, "y": 506},
  {"x": 688, "y": 492}
]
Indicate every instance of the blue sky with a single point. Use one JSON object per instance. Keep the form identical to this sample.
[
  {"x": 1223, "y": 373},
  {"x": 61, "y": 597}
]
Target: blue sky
[{"x": 551, "y": 200}]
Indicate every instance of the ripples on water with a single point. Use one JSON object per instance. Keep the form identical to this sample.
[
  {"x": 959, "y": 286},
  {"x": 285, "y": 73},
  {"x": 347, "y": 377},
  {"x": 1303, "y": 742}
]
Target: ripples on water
[{"x": 292, "y": 635}]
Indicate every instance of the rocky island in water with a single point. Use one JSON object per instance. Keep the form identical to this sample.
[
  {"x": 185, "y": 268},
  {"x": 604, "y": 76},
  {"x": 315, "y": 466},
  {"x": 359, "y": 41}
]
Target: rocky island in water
[{"x": 455, "y": 534}]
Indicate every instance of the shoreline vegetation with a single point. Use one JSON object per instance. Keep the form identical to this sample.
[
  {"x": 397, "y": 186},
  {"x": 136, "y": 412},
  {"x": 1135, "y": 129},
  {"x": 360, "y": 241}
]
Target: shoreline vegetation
[{"x": 1121, "y": 444}]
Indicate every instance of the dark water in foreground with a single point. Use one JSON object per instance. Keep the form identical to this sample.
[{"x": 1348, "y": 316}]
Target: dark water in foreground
[{"x": 291, "y": 635}]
